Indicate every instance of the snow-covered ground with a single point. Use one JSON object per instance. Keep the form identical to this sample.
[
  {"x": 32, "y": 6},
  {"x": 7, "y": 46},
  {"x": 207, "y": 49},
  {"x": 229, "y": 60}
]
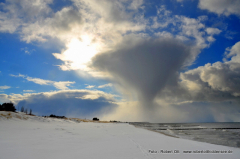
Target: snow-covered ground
[{"x": 31, "y": 137}]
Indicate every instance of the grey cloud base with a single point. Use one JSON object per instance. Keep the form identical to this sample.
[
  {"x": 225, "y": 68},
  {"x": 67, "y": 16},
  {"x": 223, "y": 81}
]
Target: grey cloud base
[
  {"x": 144, "y": 66},
  {"x": 70, "y": 103}
]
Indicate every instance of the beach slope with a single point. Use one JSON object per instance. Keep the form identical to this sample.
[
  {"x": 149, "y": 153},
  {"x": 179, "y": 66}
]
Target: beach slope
[{"x": 32, "y": 137}]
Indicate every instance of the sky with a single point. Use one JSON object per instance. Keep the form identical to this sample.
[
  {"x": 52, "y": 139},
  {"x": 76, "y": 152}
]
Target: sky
[{"x": 128, "y": 60}]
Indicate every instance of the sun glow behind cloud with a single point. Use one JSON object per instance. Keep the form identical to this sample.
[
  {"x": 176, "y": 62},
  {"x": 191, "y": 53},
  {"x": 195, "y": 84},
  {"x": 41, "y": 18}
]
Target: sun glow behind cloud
[{"x": 78, "y": 53}]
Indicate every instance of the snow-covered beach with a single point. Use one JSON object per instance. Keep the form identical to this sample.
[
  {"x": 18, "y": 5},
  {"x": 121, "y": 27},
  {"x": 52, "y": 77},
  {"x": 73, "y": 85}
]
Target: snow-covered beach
[{"x": 28, "y": 137}]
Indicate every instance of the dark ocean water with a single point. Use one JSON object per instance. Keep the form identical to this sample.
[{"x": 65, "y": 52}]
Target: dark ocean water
[{"x": 227, "y": 134}]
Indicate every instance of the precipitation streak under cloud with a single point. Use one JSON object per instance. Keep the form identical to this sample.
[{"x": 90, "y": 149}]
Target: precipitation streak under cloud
[
  {"x": 146, "y": 66},
  {"x": 149, "y": 58}
]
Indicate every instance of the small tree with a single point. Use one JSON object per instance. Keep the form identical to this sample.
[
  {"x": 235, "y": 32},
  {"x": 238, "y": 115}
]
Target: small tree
[
  {"x": 26, "y": 111},
  {"x": 30, "y": 112},
  {"x": 22, "y": 109}
]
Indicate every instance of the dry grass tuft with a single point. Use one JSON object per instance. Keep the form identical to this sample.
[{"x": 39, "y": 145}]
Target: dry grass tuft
[
  {"x": 19, "y": 117},
  {"x": 8, "y": 116},
  {"x": 86, "y": 120},
  {"x": 102, "y": 121},
  {"x": 79, "y": 120},
  {"x": 13, "y": 114}
]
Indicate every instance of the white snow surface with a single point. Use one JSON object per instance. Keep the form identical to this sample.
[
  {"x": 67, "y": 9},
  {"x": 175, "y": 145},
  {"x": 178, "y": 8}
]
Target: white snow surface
[{"x": 31, "y": 137}]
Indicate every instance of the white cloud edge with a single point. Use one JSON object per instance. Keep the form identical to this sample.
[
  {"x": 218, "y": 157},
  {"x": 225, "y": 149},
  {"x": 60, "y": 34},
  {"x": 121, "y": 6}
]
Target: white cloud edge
[
  {"x": 221, "y": 7},
  {"x": 5, "y": 87},
  {"x": 106, "y": 85},
  {"x": 90, "y": 94},
  {"x": 90, "y": 86},
  {"x": 62, "y": 85}
]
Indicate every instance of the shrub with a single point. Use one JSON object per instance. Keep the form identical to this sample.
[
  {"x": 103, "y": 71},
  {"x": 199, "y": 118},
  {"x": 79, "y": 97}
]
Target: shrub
[
  {"x": 95, "y": 119},
  {"x": 8, "y": 107},
  {"x": 55, "y": 116}
]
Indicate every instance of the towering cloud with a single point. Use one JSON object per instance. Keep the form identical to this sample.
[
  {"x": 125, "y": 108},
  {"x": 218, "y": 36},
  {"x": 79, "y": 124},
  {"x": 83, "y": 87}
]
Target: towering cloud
[
  {"x": 215, "y": 82},
  {"x": 144, "y": 66}
]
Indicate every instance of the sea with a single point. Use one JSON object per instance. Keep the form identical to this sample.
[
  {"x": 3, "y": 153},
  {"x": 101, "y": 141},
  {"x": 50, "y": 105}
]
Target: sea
[{"x": 225, "y": 133}]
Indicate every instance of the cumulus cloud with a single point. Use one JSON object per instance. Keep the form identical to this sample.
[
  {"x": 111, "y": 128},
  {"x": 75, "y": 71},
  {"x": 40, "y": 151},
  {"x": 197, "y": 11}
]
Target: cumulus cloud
[
  {"x": 62, "y": 25},
  {"x": 63, "y": 84},
  {"x": 136, "y": 4},
  {"x": 65, "y": 19},
  {"x": 71, "y": 103},
  {"x": 105, "y": 85},
  {"x": 215, "y": 82},
  {"x": 5, "y": 87},
  {"x": 19, "y": 13},
  {"x": 233, "y": 52},
  {"x": 8, "y": 25},
  {"x": 19, "y": 75},
  {"x": 225, "y": 7},
  {"x": 191, "y": 28},
  {"x": 28, "y": 91},
  {"x": 213, "y": 31},
  {"x": 39, "y": 81},
  {"x": 36, "y": 21},
  {"x": 164, "y": 15},
  {"x": 59, "y": 85},
  {"x": 211, "y": 39},
  {"x": 27, "y": 8},
  {"x": 230, "y": 34},
  {"x": 90, "y": 86},
  {"x": 27, "y": 51},
  {"x": 4, "y": 98},
  {"x": 188, "y": 30}
]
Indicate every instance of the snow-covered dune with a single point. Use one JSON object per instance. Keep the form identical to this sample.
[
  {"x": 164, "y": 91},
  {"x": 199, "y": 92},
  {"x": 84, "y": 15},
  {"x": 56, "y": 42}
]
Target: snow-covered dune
[{"x": 32, "y": 137}]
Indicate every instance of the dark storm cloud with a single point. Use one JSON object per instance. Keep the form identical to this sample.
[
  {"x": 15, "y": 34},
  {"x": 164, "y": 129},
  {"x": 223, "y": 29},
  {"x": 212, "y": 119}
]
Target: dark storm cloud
[
  {"x": 77, "y": 103},
  {"x": 145, "y": 66}
]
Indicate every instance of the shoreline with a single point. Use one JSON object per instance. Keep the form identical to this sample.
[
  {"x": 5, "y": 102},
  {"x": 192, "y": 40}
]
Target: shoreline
[
  {"x": 215, "y": 133},
  {"x": 155, "y": 131}
]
